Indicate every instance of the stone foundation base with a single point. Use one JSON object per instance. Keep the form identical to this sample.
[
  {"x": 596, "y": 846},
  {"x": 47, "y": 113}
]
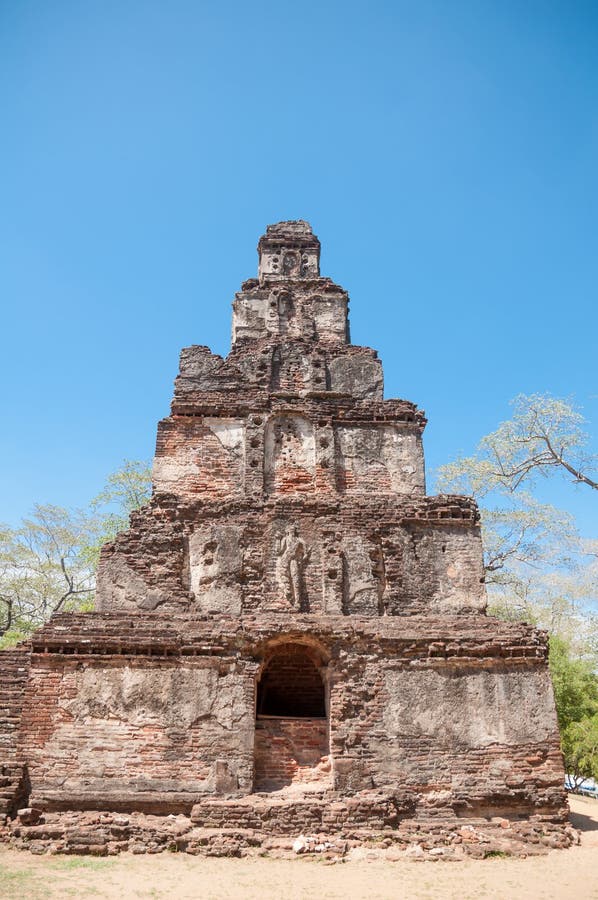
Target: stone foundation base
[{"x": 282, "y": 827}]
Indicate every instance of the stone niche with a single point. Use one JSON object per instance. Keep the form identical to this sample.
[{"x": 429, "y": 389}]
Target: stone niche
[
  {"x": 289, "y": 455},
  {"x": 358, "y": 376},
  {"x": 294, "y": 371},
  {"x": 379, "y": 458},
  {"x": 292, "y": 730},
  {"x": 250, "y": 313},
  {"x": 290, "y": 563},
  {"x": 215, "y": 568},
  {"x": 330, "y": 317},
  {"x": 445, "y": 568},
  {"x": 120, "y": 587},
  {"x": 363, "y": 574}
]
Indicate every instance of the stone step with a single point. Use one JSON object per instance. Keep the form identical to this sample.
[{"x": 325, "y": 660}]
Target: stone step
[{"x": 289, "y": 813}]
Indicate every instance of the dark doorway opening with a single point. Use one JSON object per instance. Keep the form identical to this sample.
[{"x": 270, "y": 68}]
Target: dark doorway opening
[{"x": 291, "y": 685}]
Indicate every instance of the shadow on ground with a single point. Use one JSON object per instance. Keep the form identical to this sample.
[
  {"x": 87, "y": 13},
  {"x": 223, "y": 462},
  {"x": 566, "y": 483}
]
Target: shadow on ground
[{"x": 583, "y": 823}]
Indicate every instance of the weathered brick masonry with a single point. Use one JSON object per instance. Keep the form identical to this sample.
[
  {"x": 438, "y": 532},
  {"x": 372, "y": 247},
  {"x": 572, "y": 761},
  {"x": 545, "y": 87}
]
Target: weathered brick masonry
[{"x": 291, "y": 636}]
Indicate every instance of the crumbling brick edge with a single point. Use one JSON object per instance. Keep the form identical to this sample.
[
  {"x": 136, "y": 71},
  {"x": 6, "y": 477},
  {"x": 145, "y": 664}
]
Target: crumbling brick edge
[{"x": 109, "y": 834}]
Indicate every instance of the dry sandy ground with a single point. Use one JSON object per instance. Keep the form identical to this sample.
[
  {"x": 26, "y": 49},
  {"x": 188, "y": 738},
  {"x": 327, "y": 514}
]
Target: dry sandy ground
[{"x": 569, "y": 874}]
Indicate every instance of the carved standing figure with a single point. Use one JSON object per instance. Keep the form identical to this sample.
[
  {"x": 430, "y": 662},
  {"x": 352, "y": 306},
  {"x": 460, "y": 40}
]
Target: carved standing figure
[{"x": 292, "y": 559}]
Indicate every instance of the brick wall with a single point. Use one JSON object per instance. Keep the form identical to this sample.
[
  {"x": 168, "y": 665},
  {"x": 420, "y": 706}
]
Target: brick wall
[
  {"x": 425, "y": 556},
  {"x": 14, "y": 671},
  {"x": 291, "y": 751},
  {"x": 457, "y": 713},
  {"x": 113, "y": 732}
]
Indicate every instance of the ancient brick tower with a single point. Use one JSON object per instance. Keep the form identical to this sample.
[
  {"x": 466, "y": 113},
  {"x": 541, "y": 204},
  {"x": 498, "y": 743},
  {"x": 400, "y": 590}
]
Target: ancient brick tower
[{"x": 292, "y": 635}]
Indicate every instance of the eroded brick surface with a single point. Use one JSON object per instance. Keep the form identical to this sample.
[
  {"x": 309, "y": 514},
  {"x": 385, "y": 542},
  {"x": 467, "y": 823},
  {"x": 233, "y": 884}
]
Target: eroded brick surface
[
  {"x": 291, "y": 751},
  {"x": 291, "y": 636}
]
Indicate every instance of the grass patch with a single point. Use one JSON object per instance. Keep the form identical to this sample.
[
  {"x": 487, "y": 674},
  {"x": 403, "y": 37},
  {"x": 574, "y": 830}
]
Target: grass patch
[
  {"x": 17, "y": 883},
  {"x": 496, "y": 854},
  {"x": 39, "y": 884},
  {"x": 15, "y": 877},
  {"x": 81, "y": 862}
]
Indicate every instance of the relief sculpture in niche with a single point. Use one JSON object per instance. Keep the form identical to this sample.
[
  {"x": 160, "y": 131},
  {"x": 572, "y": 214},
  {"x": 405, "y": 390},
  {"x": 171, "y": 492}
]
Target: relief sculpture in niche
[
  {"x": 215, "y": 567},
  {"x": 332, "y": 571},
  {"x": 290, "y": 263},
  {"x": 364, "y": 580},
  {"x": 379, "y": 573},
  {"x": 293, "y": 556},
  {"x": 289, "y": 464},
  {"x": 286, "y": 310}
]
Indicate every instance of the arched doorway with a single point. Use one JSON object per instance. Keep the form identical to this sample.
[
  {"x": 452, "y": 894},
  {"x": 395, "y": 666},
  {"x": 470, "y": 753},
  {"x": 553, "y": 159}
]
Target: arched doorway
[
  {"x": 291, "y": 685},
  {"x": 291, "y": 728}
]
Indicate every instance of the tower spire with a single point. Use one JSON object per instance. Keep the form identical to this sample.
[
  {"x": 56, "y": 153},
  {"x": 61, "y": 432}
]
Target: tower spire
[
  {"x": 289, "y": 300},
  {"x": 288, "y": 250}
]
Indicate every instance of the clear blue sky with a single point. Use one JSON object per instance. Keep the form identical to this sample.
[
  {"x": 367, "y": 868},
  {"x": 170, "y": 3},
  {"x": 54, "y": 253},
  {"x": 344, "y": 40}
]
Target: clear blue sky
[{"x": 446, "y": 153}]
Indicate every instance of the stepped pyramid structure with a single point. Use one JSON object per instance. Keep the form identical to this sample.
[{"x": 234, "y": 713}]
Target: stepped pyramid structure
[{"x": 291, "y": 637}]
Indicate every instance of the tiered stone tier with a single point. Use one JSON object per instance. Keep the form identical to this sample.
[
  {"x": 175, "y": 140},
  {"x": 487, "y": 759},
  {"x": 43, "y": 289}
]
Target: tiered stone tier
[{"x": 284, "y": 481}]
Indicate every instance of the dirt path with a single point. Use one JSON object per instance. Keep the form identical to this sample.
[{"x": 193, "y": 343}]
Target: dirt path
[{"x": 562, "y": 874}]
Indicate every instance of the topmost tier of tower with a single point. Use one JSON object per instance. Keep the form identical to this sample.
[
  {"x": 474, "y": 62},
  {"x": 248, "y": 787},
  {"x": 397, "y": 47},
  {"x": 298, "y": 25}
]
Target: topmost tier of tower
[
  {"x": 288, "y": 250},
  {"x": 289, "y": 300}
]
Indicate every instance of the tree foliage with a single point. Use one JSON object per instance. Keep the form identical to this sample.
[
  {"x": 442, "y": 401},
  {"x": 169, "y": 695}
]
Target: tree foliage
[
  {"x": 537, "y": 567},
  {"x": 576, "y": 695},
  {"x": 544, "y": 435},
  {"x": 580, "y": 749},
  {"x": 126, "y": 490},
  {"x": 575, "y": 684},
  {"x": 48, "y": 563}
]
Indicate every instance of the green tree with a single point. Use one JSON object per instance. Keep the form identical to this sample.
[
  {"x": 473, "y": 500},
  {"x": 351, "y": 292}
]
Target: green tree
[
  {"x": 575, "y": 684},
  {"x": 126, "y": 490},
  {"x": 43, "y": 569},
  {"x": 580, "y": 749},
  {"x": 576, "y": 695},
  {"x": 48, "y": 563}
]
